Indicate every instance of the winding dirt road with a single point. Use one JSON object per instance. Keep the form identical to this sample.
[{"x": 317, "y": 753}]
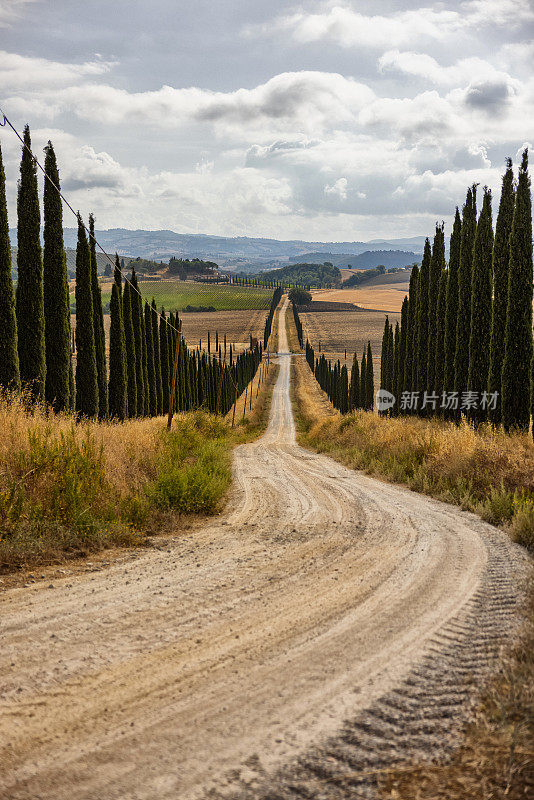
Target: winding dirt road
[{"x": 326, "y": 624}]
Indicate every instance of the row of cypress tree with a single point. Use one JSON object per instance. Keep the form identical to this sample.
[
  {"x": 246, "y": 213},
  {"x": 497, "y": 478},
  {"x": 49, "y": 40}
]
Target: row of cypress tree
[
  {"x": 277, "y": 294},
  {"x": 36, "y": 346},
  {"x": 465, "y": 341}
]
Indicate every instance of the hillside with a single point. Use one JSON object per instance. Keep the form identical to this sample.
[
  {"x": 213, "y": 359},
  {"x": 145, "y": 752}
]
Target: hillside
[
  {"x": 367, "y": 260},
  {"x": 316, "y": 275}
]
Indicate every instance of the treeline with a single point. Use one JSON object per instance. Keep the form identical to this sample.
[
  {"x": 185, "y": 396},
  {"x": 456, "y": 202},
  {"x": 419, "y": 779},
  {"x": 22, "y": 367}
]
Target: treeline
[
  {"x": 185, "y": 268},
  {"x": 36, "y": 347},
  {"x": 346, "y": 394},
  {"x": 305, "y": 276},
  {"x": 465, "y": 342},
  {"x": 277, "y": 294}
]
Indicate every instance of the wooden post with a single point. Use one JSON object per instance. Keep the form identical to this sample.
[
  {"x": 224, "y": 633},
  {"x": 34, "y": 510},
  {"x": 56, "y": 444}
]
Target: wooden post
[{"x": 174, "y": 372}]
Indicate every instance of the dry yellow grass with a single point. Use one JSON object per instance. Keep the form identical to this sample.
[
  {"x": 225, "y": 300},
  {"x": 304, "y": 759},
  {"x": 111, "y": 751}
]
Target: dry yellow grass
[{"x": 387, "y": 297}]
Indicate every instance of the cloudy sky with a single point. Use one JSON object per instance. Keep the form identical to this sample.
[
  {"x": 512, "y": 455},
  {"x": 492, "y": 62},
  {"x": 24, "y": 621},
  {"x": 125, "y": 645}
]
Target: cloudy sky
[{"x": 320, "y": 120}]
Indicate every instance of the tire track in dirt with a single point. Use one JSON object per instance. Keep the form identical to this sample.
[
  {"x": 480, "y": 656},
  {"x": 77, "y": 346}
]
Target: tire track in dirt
[{"x": 227, "y": 664}]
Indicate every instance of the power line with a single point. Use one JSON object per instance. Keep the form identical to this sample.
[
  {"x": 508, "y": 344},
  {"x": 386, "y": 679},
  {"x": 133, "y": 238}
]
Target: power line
[{"x": 111, "y": 260}]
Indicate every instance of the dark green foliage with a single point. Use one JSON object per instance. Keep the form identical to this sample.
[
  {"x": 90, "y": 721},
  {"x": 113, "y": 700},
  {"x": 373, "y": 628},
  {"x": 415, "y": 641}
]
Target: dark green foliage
[
  {"x": 411, "y": 333},
  {"x": 363, "y": 381},
  {"x": 98, "y": 326},
  {"x": 298, "y": 325},
  {"x": 384, "y": 354},
  {"x": 299, "y": 297},
  {"x": 55, "y": 293},
  {"x": 403, "y": 345},
  {"x": 166, "y": 367},
  {"x": 501, "y": 261},
  {"x": 396, "y": 368},
  {"x": 369, "y": 380},
  {"x": 451, "y": 303},
  {"x": 9, "y": 357},
  {"x": 129, "y": 339},
  {"x": 465, "y": 277},
  {"x": 137, "y": 325},
  {"x": 354, "y": 390},
  {"x": 422, "y": 321},
  {"x": 29, "y": 295},
  {"x": 518, "y": 334},
  {"x": 118, "y": 380},
  {"x": 480, "y": 327},
  {"x": 441, "y": 313},
  {"x": 86, "y": 375},
  {"x": 304, "y": 275},
  {"x": 277, "y": 295},
  {"x": 157, "y": 358},
  {"x": 151, "y": 368},
  {"x": 437, "y": 265}
]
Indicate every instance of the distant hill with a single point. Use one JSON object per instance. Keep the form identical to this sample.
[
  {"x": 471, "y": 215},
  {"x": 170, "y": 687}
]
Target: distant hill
[
  {"x": 246, "y": 252},
  {"x": 367, "y": 260}
]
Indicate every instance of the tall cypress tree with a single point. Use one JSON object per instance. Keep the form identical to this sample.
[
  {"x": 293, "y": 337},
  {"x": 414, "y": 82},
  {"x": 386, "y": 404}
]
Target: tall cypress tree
[
  {"x": 129, "y": 339},
  {"x": 354, "y": 390},
  {"x": 363, "y": 382},
  {"x": 422, "y": 320},
  {"x": 480, "y": 329},
  {"x": 437, "y": 265},
  {"x": 98, "y": 325},
  {"x": 411, "y": 336},
  {"x": 55, "y": 293},
  {"x": 9, "y": 357},
  {"x": 384, "y": 354},
  {"x": 118, "y": 381},
  {"x": 516, "y": 371},
  {"x": 451, "y": 303},
  {"x": 403, "y": 344},
  {"x": 441, "y": 312},
  {"x": 465, "y": 278},
  {"x": 369, "y": 379},
  {"x": 29, "y": 295},
  {"x": 396, "y": 368},
  {"x": 164, "y": 354},
  {"x": 137, "y": 324},
  {"x": 151, "y": 369},
  {"x": 501, "y": 261},
  {"x": 157, "y": 358},
  {"x": 86, "y": 375}
]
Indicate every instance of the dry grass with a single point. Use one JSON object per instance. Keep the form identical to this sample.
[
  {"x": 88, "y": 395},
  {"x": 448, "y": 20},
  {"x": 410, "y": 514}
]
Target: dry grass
[{"x": 383, "y": 296}]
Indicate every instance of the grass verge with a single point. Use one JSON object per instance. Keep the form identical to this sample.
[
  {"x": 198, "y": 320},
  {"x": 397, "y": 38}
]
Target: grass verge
[{"x": 69, "y": 489}]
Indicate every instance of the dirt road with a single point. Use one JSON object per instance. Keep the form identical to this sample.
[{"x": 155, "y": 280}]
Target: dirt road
[{"x": 325, "y": 616}]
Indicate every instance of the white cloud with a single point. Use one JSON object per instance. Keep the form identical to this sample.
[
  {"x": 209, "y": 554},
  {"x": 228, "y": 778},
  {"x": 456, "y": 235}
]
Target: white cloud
[
  {"x": 10, "y": 10},
  {"x": 23, "y": 72},
  {"x": 337, "y": 189},
  {"x": 425, "y": 67}
]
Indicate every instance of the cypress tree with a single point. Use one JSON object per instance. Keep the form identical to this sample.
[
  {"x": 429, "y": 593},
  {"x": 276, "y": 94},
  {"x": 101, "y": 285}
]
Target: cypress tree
[
  {"x": 437, "y": 265},
  {"x": 354, "y": 390},
  {"x": 29, "y": 295},
  {"x": 480, "y": 328},
  {"x": 400, "y": 388},
  {"x": 465, "y": 277},
  {"x": 166, "y": 372},
  {"x": 9, "y": 357},
  {"x": 369, "y": 379},
  {"x": 384, "y": 355},
  {"x": 55, "y": 293},
  {"x": 151, "y": 368},
  {"x": 396, "y": 369},
  {"x": 118, "y": 381},
  {"x": 422, "y": 321},
  {"x": 518, "y": 335},
  {"x": 157, "y": 358},
  {"x": 451, "y": 303},
  {"x": 137, "y": 325},
  {"x": 98, "y": 325},
  {"x": 363, "y": 382},
  {"x": 129, "y": 338},
  {"x": 86, "y": 376},
  {"x": 344, "y": 390},
  {"x": 411, "y": 334},
  {"x": 441, "y": 313},
  {"x": 501, "y": 260}
]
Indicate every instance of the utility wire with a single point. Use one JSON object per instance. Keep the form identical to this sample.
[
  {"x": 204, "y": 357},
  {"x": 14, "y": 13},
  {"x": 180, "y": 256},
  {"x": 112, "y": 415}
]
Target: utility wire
[{"x": 111, "y": 260}]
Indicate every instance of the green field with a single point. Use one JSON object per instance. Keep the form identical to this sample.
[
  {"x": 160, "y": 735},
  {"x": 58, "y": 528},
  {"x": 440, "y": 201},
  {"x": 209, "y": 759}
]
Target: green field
[{"x": 176, "y": 295}]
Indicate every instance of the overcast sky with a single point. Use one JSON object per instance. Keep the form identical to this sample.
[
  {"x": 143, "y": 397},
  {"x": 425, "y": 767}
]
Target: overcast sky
[{"x": 322, "y": 120}]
